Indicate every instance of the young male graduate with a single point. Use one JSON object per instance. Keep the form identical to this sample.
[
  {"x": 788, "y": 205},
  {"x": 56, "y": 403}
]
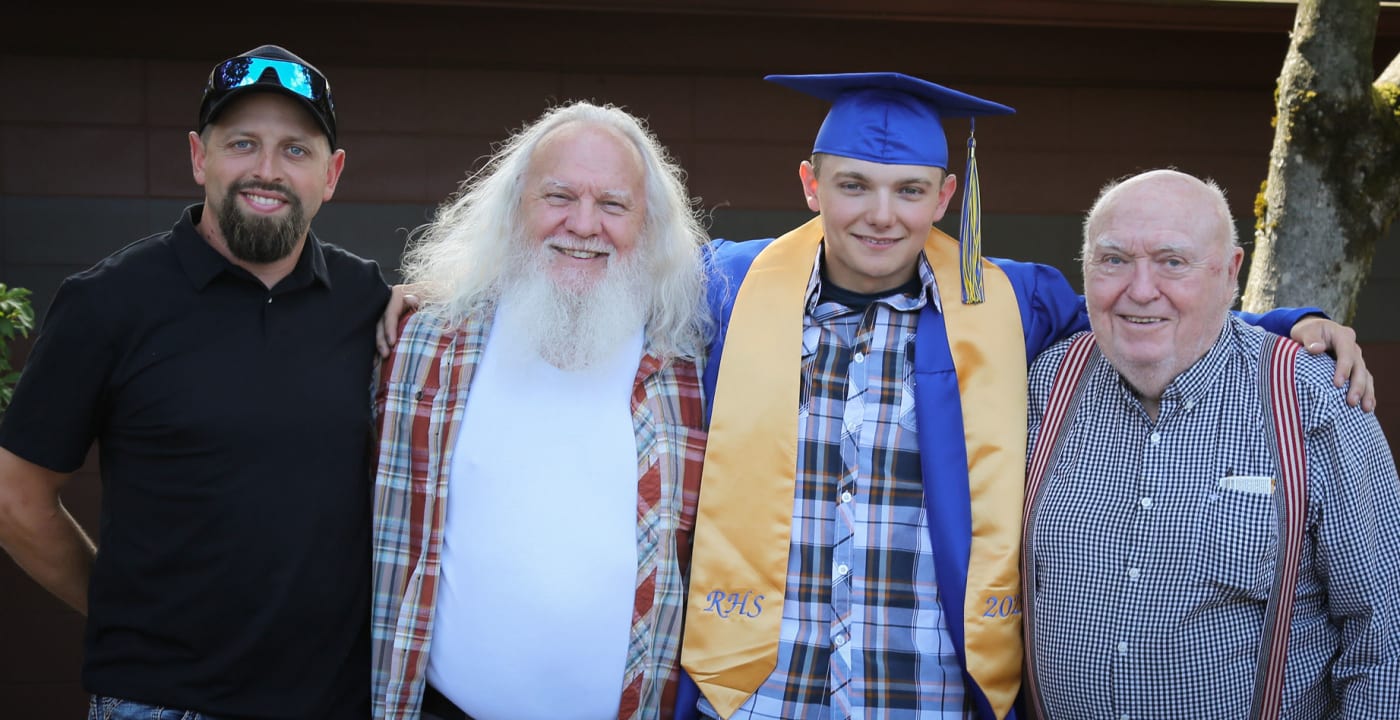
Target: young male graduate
[{"x": 859, "y": 557}]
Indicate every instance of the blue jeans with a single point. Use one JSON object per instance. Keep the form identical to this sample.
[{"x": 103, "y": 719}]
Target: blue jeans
[{"x": 109, "y": 708}]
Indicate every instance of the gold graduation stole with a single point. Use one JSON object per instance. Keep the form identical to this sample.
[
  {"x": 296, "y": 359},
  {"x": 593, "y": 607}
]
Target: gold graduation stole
[
  {"x": 988, "y": 347},
  {"x": 744, "y": 519}
]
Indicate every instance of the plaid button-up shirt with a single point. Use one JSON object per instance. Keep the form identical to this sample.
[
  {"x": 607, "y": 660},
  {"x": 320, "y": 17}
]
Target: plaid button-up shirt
[
  {"x": 421, "y": 397},
  {"x": 863, "y": 635}
]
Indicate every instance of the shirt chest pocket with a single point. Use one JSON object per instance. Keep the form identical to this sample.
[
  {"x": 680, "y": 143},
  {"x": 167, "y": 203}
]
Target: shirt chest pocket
[
  {"x": 673, "y": 464},
  {"x": 406, "y": 399},
  {"x": 1237, "y": 543}
]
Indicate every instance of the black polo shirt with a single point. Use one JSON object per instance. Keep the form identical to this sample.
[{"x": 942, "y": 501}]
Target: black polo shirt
[{"x": 233, "y": 425}]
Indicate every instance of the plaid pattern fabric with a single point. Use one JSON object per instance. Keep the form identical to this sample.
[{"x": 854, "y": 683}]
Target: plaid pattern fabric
[
  {"x": 422, "y": 394},
  {"x": 863, "y": 635},
  {"x": 1152, "y": 550}
]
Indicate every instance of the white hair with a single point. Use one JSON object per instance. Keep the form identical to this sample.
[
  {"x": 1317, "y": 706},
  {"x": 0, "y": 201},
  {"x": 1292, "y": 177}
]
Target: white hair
[{"x": 460, "y": 259}]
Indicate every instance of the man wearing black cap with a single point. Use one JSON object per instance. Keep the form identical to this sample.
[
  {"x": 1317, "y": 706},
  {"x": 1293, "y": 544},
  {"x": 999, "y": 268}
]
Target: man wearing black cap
[
  {"x": 859, "y": 558},
  {"x": 223, "y": 369}
]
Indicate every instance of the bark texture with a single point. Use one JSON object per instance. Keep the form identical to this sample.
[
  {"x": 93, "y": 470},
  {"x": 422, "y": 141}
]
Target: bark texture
[{"x": 1333, "y": 185}]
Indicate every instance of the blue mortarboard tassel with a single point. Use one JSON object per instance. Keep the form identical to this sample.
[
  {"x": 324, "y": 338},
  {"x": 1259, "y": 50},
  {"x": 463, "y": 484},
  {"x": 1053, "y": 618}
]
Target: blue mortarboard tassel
[{"x": 970, "y": 233}]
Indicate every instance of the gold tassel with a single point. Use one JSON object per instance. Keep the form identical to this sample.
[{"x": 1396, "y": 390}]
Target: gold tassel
[{"x": 970, "y": 234}]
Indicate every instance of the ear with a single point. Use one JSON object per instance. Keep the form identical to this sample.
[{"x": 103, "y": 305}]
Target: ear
[
  {"x": 197, "y": 156},
  {"x": 809, "y": 185},
  {"x": 945, "y": 194},
  {"x": 333, "y": 170},
  {"x": 1236, "y": 258}
]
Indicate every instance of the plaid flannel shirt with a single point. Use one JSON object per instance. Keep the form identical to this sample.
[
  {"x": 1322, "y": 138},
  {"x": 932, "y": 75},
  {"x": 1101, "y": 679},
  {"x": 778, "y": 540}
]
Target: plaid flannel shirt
[
  {"x": 421, "y": 397},
  {"x": 863, "y": 635}
]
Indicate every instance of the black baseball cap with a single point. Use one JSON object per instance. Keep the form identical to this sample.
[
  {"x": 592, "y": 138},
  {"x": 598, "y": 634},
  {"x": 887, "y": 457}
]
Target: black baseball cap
[{"x": 269, "y": 68}]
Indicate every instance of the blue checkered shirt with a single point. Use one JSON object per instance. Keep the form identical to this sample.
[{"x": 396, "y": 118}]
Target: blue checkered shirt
[
  {"x": 863, "y": 635},
  {"x": 1150, "y": 575}
]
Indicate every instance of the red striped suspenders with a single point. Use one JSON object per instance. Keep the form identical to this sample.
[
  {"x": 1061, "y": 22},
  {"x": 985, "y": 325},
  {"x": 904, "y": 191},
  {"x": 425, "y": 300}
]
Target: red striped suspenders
[
  {"x": 1064, "y": 395},
  {"x": 1284, "y": 431},
  {"x": 1284, "y": 428}
]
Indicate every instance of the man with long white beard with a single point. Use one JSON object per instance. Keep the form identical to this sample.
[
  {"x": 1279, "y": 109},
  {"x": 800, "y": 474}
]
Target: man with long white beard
[{"x": 541, "y": 435}]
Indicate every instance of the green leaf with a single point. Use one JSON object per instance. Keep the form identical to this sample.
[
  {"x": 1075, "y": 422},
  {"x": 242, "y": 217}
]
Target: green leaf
[{"x": 16, "y": 321}]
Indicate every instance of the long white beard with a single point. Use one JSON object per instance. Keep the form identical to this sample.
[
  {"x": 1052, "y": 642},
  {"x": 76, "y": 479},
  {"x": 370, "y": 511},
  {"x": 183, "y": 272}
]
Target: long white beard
[{"x": 573, "y": 328}]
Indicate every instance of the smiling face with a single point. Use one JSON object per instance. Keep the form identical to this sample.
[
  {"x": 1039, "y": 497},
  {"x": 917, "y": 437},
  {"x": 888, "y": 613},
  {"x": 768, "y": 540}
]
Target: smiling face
[
  {"x": 266, "y": 168},
  {"x": 1160, "y": 273},
  {"x": 875, "y": 218},
  {"x": 584, "y": 201}
]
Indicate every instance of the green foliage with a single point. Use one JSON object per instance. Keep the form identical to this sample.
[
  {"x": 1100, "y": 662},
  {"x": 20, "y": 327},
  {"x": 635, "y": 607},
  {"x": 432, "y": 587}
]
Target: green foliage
[{"x": 16, "y": 321}]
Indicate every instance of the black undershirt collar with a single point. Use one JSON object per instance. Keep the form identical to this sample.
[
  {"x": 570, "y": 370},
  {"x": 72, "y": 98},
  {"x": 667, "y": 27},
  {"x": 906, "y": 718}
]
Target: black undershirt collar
[{"x": 831, "y": 292}]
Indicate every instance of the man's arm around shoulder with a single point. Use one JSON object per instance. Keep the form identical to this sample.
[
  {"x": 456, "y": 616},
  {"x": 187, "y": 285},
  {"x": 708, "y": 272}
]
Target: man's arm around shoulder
[{"x": 37, "y": 531}]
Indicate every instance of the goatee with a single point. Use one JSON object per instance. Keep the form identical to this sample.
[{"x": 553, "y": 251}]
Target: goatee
[{"x": 261, "y": 239}]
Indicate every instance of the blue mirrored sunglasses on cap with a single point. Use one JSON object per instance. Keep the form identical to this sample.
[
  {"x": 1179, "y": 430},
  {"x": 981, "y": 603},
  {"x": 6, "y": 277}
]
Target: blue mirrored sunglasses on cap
[
  {"x": 293, "y": 77},
  {"x": 298, "y": 78}
]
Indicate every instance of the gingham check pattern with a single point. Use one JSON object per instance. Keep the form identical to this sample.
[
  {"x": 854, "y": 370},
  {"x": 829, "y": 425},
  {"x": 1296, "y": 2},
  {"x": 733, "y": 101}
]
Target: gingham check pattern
[
  {"x": 862, "y": 634},
  {"x": 422, "y": 393},
  {"x": 1150, "y": 580}
]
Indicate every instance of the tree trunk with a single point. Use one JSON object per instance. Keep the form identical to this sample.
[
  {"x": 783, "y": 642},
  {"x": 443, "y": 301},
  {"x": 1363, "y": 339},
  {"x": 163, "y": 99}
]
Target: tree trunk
[{"x": 1334, "y": 172}]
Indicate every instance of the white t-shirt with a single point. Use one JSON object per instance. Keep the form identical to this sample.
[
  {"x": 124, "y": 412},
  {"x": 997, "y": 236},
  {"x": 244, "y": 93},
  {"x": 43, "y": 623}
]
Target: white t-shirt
[{"x": 539, "y": 559}]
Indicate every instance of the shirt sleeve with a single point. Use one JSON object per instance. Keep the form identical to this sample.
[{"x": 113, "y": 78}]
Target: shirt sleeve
[
  {"x": 1358, "y": 550},
  {"x": 1279, "y": 321},
  {"x": 54, "y": 414},
  {"x": 1050, "y": 309}
]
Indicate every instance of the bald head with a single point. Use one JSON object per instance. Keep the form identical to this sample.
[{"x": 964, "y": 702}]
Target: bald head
[{"x": 1168, "y": 197}]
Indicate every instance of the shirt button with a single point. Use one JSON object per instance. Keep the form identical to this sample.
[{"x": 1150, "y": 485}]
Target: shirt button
[
  {"x": 842, "y": 569},
  {"x": 860, "y": 357},
  {"x": 1123, "y": 648},
  {"x": 1188, "y": 405},
  {"x": 1134, "y": 573},
  {"x": 1123, "y": 717},
  {"x": 840, "y": 640},
  {"x": 269, "y": 300},
  {"x": 1146, "y": 502},
  {"x": 846, "y": 496},
  {"x": 1155, "y": 438}
]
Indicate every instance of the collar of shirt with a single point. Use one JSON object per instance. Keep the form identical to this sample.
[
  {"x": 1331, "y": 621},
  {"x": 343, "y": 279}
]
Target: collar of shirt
[
  {"x": 928, "y": 292},
  {"x": 1189, "y": 389},
  {"x": 202, "y": 263}
]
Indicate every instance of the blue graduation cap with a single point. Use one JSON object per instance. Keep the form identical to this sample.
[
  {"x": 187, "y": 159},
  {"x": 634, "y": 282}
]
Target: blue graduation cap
[{"x": 896, "y": 119}]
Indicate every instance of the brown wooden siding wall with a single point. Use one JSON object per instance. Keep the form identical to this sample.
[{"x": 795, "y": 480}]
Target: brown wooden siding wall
[{"x": 94, "y": 107}]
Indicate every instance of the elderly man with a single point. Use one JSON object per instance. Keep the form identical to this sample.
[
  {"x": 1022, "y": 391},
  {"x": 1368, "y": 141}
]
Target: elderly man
[
  {"x": 856, "y": 547},
  {"x": 1211, "y": 530},
  {"x": 542, "y": 436},
  {"x": 223, "y": 370}
]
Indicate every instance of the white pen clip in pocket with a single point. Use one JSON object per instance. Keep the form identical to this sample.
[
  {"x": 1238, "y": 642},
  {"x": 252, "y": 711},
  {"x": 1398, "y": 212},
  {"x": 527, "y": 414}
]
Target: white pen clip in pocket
[{"x": 1252, "y": 484}]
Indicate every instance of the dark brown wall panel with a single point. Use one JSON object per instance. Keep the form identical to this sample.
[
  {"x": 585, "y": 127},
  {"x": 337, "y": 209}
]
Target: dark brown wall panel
[{"x": 98, "y": 99}]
